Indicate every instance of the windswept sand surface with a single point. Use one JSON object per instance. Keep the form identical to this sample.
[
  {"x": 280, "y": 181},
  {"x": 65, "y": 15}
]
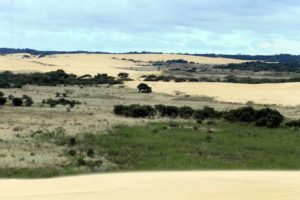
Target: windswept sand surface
[
  {"x": 163, "y": 185},
  {"x": 81, "y": 64},
  {"x": 279, "y": 93}
]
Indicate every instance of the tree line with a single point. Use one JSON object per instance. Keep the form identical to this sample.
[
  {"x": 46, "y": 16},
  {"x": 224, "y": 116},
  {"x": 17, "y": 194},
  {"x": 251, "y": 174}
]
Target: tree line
[
  {"x": 54, "y": 78},
  {"x": 227, "y": 79},
  {"x": 265, "y": 117},
  {"x": 263, "y": 66}
]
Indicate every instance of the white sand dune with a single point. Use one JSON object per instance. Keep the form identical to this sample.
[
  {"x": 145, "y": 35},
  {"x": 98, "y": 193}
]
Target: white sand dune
[
  {"x": 287, "y": 94},
  {"x": 161, "y": 185}
]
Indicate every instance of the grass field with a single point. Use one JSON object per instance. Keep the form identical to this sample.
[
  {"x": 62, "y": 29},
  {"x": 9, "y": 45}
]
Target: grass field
[{"x": 213, "y": 145}]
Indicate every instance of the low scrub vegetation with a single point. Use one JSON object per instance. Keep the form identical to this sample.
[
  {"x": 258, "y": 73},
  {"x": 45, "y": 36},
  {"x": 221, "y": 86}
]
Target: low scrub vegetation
[
  {"x": 16, "y": 101},
  {"x": 135, "y": 111},
  {"x": 227, "y": 79},
  {"x": 59, "y": 77},
  {"x": 264, "y": 117},
  {"x": 64, "y": 102},
  {"x": 263, "y": 66}
]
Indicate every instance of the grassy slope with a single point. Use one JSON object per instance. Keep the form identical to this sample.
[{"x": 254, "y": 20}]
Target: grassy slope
[{"x": 183, "y": 146}]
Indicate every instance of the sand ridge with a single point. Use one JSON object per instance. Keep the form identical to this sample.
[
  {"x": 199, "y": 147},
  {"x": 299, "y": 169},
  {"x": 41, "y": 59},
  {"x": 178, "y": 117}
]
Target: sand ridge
[{"x": 159, "y": 185}]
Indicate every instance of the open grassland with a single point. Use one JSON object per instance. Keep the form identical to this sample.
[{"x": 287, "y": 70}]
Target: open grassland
[
  {"x": 23, "y": 152},
  {"x": 162, "y": 146}
]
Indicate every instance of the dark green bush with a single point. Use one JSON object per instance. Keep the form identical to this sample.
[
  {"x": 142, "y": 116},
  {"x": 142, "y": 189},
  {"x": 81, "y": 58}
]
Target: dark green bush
[
  {"x": 144, "y": 88},
  {"x": 135, "y": 111},
  {"x": 3, "y": 101},
  {"x": 269, "y": 118},
  {"x": 263, "y": 117},
  {"x": 17, "y": 102},
  {"x": 186, "y": 112},
  {"x": 245, "y": 114},
  {"x": 294, "y": 123},
  {"x": 63, "y": 102},
  {"x": 167, "y": 111}
]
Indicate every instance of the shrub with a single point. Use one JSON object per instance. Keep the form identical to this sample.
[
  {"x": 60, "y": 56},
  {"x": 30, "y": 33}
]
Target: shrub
[
  {"x": 27, "y": 100},
  {"x": 3, "y": 101},
  {"x": 269, "y": 118},
  {"x": 123, "y": 75},
  {"x": 186, "y": 112},
  {"x": 199, "y": 116},
  {"x": 135, "y": 111},
  {"x": 144, "y": 88},
  {"x": 17, "y": 102},
  {"x": 245, "y": 114},
  {"x": 63, "y": 102},
  {"x": 294, "y": 123},
  {"x": 264, "y": 117},
  {"x": 167, "y": 111},
  {"x": 1, "y": 94},
  {"x": 120, "y": 110}
]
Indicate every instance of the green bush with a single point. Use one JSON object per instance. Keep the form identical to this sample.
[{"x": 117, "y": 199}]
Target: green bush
[
  {"x": 135, "y": 111},
  {"x": 144, "y": 88},
  {"x": 64, "y": 102},
  {"x": 186, "y": 112},
  {"x": 294, "y": 123},
  {"x": 17, "y": 102},
  {"x": 3, "y": 101},
  {"x": 269, "y": 118},
  {"x": 167, "y": 111}
]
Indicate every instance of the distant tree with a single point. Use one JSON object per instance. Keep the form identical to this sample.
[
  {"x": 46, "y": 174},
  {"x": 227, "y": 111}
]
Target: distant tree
[{"x": 144, "y": 88}]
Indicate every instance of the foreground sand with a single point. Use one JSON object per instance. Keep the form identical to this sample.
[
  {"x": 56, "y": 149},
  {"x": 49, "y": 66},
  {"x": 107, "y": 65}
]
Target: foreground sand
[
  {"x": 165, "y": 186},
  {"x": 287, "y": 94}
]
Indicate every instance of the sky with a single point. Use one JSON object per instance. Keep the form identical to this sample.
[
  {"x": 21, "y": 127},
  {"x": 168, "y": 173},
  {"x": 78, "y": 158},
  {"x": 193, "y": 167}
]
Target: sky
[{"x": 185, "y": 26}]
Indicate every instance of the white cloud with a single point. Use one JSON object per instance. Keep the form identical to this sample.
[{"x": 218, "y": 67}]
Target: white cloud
[{"x": 221, "y": 26}]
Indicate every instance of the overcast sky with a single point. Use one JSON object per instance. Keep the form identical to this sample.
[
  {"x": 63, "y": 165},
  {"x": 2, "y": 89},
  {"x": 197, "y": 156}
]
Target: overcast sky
[{"x": 194, "y": 26}]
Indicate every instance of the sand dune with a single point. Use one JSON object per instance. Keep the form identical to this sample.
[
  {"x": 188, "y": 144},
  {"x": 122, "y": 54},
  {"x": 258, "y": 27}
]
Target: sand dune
[
  {"x": 81, "y": 64},
  {"x": 281, "y": 94},
  {"x": 112, "y": 64},
  {"x": 149, "y": 186}
]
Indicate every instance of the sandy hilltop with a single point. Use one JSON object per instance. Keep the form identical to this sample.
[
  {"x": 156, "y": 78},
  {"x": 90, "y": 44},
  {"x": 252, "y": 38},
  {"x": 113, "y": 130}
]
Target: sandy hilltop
[{"x": 138, "y": 64}]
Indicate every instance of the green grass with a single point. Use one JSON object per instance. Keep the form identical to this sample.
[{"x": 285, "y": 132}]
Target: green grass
[
  {"x": 191, "y": 146},
  {"x": 175, "y": 146}
]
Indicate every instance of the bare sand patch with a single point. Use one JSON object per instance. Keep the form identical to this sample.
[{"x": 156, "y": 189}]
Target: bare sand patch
[
  {"x": 287, "y": 94},
  {"x": 159, "y": 185}
]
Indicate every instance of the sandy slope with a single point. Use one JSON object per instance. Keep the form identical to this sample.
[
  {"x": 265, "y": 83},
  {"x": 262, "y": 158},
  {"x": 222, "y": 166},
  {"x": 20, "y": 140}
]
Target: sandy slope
[
  {"x": 81, "y": 64},
  {"x": 283, "y": 94},
  {"x": 165, "y": 186}
]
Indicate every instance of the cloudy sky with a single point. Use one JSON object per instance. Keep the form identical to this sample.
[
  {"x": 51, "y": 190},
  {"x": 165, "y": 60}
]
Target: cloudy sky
[{"x": 194, "y": 26}]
